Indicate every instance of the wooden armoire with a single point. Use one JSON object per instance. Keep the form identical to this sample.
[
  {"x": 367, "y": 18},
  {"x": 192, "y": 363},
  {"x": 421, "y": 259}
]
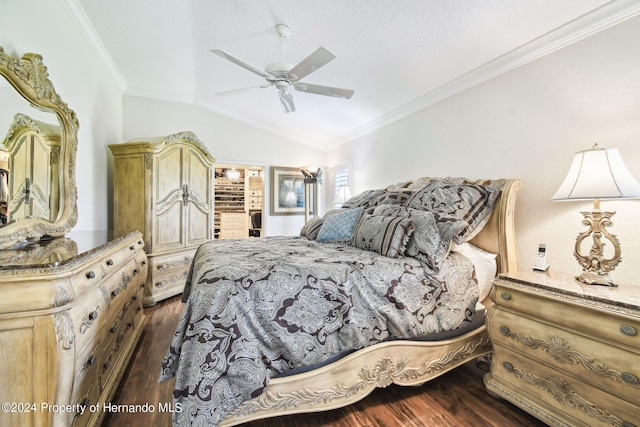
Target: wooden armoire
[{"x": 163, "y": 188}]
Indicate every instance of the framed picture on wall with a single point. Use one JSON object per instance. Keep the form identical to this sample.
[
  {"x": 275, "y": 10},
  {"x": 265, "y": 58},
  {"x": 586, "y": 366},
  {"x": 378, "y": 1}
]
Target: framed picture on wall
[{"x": 287, "y": 191}]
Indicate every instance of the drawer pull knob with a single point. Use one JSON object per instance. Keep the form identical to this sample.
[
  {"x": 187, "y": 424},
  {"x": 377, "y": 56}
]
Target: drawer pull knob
[
  {"x": 91, "y": 360},
  {"x": 506, "y": 296},
  {"x": 109, "y": 262},
  {"x": 629, "y": 378},
  {"x": 628, "y": 330},
  {"x": 144, "y": 263},
  {"x": 504, "y": 329},
  {"x": 507, "y": 366},
  {"x": 91, "y": 275},
  {"x": 133, "y": 248},
  {"x": 136, "y": 271},
  {"x": 93, "y": 315}
]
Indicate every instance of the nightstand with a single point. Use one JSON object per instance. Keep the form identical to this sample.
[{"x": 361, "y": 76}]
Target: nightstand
[{"x": 566, "y": 352}]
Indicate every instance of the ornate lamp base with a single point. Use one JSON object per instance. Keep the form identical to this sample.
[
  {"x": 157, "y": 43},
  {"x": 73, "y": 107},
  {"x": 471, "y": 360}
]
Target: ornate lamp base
[
  {"x": 595, "y": 279},
  {"x": 595, "y": 266}
]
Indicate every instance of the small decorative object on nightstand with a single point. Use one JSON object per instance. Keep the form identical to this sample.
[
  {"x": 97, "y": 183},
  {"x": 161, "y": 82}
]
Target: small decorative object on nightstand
[
  {"x": 595, "y": 174},
  {"x": 566, "y": 352}
]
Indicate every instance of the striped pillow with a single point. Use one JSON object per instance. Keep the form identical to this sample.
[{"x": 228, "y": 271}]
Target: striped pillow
[
  {"x": 385, "y": 235},
  {"x": 310, "y": 228}
]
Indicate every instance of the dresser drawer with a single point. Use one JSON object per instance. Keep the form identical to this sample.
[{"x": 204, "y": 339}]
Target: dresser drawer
[
  {"x": 86, "y": 371},
  {"x": 90, "y": 396},
  {"x": 541, "y": 386},
  {"x": 584, "y": 316},
  {"x": 168, "y": 270},
  {"x": 86, "y": 318},
  {"x": 233, "y": 233},
  {"x": 178, "y": 261},
  {"x": 583, "y": 357}
]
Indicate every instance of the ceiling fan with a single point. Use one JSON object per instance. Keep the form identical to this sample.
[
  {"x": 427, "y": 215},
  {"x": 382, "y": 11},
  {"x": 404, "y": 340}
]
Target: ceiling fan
[{"x": 283, "y": 75}]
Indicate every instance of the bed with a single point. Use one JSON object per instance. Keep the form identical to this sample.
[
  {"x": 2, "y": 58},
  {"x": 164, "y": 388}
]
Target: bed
[{"x": 390, "y": 288}]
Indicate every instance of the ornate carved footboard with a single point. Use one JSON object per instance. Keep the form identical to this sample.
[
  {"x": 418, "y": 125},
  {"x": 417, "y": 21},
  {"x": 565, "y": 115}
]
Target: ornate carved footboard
[
  {"x": 406, "y": 363},
  {"x": 350, "y": 379}
]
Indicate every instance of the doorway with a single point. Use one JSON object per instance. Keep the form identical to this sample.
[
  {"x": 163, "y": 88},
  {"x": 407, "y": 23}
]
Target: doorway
[{"x": 239, "y": 201}]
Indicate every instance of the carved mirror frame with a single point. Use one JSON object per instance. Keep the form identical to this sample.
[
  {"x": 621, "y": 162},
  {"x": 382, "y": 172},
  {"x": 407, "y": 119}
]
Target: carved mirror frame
[{"x": 29, "y": 77}]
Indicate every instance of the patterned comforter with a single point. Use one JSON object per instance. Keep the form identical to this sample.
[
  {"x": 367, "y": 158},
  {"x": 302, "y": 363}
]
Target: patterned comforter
[{"x": 262, "y": 306}]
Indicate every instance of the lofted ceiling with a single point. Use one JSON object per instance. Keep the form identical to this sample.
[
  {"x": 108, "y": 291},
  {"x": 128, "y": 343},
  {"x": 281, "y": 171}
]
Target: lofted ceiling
[{"x": 397, "y": 55}]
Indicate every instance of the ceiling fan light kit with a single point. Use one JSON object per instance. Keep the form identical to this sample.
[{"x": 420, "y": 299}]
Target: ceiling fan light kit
[{"x": 283, "y": 75}]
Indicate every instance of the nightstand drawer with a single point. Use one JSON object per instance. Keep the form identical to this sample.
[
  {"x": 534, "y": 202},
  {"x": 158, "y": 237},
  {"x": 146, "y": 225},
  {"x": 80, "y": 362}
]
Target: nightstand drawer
[
  {"x": 581, "y": 315},
  {"x": 555, "y": 394},
  {"x": 583, "y": 357}
]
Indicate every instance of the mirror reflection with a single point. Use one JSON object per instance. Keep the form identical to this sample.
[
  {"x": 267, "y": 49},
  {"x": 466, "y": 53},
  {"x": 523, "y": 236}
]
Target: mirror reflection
[
  {"x": 38, "y": 133},
  {"x": 29, "y": 159}
]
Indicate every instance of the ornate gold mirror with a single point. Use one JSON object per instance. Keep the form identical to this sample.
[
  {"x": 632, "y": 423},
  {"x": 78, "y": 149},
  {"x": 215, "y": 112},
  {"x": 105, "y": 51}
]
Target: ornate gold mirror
[{"x": 38, "y": 147}]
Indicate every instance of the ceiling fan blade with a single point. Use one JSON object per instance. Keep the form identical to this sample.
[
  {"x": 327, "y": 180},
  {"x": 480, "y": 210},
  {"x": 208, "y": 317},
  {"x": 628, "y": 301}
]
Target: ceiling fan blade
[
  {"x": 243, "y": 64},
  {"x": 246, "y": 89},
  {"x": 286, "y": 100},
  {"x": 324, "y": 90},
  {"x": 311, "y": 63}
]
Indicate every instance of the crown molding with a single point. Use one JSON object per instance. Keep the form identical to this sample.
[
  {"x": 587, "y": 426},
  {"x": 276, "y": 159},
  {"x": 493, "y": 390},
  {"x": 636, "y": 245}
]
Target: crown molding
[
  {"x": 600, "y": 19},
  {"x": 88, "y": 31}
]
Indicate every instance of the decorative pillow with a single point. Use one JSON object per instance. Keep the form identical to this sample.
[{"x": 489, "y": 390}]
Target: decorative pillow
[
  {"x": 485, "y": 264},
  {"x": 385, "y": 235},
  {"x": 363, "y": 199},
  {"x": 339, "y": 226},
  {"x": 396, "y": 197},
  {"x": 311, "y": 228},
  {"x": 429, "y": 242},
  {"x": 452, "y": 202}
]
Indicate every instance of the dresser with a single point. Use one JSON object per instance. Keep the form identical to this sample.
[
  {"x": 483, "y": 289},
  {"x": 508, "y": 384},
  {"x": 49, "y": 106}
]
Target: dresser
[
  {"x": 70, "y": 318},
  {"x": 566, "y": 352},
  {"x": 233, "y": 225},
  {"x": 163, "y": 186}
]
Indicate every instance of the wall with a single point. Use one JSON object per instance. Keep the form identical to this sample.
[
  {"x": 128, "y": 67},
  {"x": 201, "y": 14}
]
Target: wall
[
  {"x": 45, "y": 27},
  {"x": 527, "y": 124},
  {"x": 230, "y": 141}
]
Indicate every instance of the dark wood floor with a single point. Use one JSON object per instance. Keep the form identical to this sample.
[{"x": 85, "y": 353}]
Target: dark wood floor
[{"x": 456, "y": 398}]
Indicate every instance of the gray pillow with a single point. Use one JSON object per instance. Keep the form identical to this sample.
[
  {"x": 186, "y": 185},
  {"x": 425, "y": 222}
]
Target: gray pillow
[
  {"x": 311, "y": 228},
  {"x": 430, "y": 242},
  {"x": 468, "y": 204},
  {"x": 386, "y": 235}
]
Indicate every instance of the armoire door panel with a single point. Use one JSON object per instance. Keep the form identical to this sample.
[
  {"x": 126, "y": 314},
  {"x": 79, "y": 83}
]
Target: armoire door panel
[
  {"x": 169, "y": 173},
  {"x": 198, "y": 176},
  {"x": 169, "y": 230},
  {"x": 198, "y": 225}
]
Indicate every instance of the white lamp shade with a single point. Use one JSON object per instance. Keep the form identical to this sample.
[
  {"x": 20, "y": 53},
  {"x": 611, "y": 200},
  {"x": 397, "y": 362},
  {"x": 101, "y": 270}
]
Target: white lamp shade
[
  {"x": 343, "y": 195},
  {"x": 598, "y": 173}
]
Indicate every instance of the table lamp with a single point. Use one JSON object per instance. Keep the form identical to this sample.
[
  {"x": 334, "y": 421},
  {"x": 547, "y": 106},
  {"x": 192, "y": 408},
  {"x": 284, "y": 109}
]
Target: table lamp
[{"x": 597, "y": 174}]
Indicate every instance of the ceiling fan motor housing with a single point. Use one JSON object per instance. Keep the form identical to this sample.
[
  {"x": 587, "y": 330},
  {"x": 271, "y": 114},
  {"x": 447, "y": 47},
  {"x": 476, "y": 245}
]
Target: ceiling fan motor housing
[{"x": 279, "y": 70}]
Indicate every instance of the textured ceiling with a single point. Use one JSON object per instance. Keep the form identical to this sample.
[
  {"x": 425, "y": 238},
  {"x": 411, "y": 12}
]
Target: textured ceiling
[{"x": 397, "y": 55}]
